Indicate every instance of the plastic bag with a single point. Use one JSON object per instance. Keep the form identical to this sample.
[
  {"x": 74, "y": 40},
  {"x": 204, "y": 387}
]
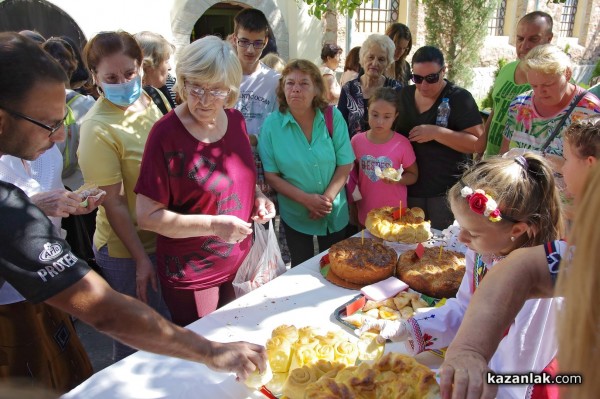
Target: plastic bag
[{"x": 262, "y": 264}]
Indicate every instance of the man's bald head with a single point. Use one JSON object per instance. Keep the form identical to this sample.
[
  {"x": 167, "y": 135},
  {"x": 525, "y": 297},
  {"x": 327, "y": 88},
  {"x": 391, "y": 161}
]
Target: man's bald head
[{"x": 533, "y": 29}]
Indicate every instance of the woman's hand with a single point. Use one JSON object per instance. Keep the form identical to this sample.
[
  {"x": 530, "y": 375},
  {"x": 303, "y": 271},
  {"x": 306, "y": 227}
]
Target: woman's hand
[
  {"x": 241, "y": 358},
  {"x": 424, "y": 133},
  {"x": 92, "y": 203},
  {"x": 264, "y": 209},
  {"x": 59, "y": 203},
  {"x": 230, "y": 228},
  {"x": 144, "y": 274},
  {"x": 318, "y": 205}
]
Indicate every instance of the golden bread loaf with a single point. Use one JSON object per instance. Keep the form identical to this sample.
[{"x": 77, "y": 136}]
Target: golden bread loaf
[
  {"x": 394, "y": 376},
  {"x": 409, "y": 228},
  {"x": 362, "y": 261},
  {"x": 435, "y": 275}
]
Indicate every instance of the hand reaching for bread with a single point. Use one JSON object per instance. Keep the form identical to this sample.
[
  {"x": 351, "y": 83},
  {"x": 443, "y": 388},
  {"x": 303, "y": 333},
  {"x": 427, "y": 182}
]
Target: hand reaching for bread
[{"x": 395, "y": 330}]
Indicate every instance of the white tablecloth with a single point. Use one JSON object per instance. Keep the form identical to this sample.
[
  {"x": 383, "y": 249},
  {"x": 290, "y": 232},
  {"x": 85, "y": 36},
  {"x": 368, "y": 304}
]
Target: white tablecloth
[{"x": 301, "y": 297}]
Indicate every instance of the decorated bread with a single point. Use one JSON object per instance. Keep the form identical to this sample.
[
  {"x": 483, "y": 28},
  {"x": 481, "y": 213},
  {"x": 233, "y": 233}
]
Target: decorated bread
[
  {"x": 391, "y": 224},
  {"x": 393, "y": 376},
  {"x": 362, "y": 261},
  {"x": 435, "y": 274}
]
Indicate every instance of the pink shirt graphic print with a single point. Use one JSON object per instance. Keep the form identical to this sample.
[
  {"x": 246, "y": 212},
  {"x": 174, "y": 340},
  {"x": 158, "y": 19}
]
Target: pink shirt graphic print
[{"x": 191, "y": 177}]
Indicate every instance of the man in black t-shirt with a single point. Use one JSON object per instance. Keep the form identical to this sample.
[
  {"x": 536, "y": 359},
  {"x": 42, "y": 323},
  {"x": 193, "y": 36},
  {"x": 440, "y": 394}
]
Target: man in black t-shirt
[{"x": 40, "y": 265}]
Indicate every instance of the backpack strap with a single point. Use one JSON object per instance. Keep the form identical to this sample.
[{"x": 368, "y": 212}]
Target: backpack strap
[
  {"x": 329, "y": 119},
  {"x": 156, "y": 98},
  {"x": 561, "y": 123},
  {"x": 72, "y": 96}
]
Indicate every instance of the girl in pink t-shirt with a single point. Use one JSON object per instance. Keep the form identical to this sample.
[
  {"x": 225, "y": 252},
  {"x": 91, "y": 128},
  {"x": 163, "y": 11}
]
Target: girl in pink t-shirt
[{"x": 382, "y": 147}]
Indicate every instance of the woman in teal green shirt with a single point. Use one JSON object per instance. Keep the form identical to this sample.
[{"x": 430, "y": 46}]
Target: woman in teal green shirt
[{"x": 306, "y": 165}]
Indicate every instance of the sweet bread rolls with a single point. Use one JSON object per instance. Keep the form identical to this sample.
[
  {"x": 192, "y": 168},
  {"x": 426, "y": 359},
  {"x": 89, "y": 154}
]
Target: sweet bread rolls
[
  {"x": 290, "y": 333},
  {"x": 346, "y": 352},
  {"x": 362, "y": 261},
  {"x": 279, "y": 354},
  {"x": 298, "y": 381}
]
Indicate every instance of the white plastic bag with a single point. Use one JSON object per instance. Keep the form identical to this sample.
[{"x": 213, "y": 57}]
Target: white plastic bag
[{"x": 262, "y": 264}]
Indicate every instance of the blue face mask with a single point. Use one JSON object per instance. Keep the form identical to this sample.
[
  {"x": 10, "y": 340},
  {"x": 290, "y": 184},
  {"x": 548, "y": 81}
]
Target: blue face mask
[{"x": 123, "y": 94}]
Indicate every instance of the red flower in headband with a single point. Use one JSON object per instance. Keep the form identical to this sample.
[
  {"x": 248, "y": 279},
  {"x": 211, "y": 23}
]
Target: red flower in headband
[
  {"x": 481, "y": 203},
  {"x": 477, "y": 202}
]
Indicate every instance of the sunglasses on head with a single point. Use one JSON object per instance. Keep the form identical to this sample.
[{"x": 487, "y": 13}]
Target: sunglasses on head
[{"x": 431, "y": 78}]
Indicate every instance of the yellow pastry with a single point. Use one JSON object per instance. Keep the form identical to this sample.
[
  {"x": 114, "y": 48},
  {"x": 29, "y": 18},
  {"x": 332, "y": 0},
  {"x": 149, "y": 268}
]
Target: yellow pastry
[
  {"x": 346, "y": 352},
  {"x": 276, "y": 383},
  {"x": 279, "y": 352},
  {"x": 288, "y": 332},
  {"x": 298, "y": 380},
  {"x": 303, "y": 355},
  {"x": 369, "y": 348},
  {"x": 257, "y": 379},
  {"x": 325, "y": 351}
]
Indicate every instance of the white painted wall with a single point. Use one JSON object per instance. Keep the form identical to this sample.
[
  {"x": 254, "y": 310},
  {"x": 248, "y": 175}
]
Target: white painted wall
[
  {"x": 130, "y": 15},
  {"x": 306, "y": 32}
]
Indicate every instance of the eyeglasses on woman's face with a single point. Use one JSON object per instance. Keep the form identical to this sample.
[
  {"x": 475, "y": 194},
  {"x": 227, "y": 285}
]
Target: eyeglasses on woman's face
[
  {"x": 52, "y": 129},
  {"x": 431, "y": 78},
  {"x": 199, "y": 92}
]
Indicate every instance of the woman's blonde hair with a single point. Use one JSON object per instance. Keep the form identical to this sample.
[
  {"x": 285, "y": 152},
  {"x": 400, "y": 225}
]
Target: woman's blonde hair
[
  {"x": 579, "y": 283},
  {"x": 155, "y": 47},
  {"x": 381, "y": 41},
  {"x": 313, "y": 72},
  {"x": 524, "y": 189},
  {"x": 547, "y": 59},
  {"x": 209, "y": 60},
  {"x": 273, "y": 61}
]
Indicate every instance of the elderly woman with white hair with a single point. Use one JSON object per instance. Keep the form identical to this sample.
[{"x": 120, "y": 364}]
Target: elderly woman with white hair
[
  {"x": 535, "y": 115},
  {"x": 197, "y": 185},
  {"x": 157, "y": 51},
  {"x": 376, "y": 55}
]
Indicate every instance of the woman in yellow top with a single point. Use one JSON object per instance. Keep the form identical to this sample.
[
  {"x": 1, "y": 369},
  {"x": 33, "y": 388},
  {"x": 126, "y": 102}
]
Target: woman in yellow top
[{"x": 113, "y": 135}]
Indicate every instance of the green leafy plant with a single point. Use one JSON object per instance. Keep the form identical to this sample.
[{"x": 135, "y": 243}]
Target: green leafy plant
[
  {"x": 458, "y": 28},
  {"x": 318, "y": 8}
]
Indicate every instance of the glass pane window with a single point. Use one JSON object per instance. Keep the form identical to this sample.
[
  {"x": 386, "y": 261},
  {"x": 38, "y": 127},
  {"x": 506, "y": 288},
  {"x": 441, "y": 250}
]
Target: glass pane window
[
  {"x": 374, "y": 15},
  {"x": 567, "y": 18},
  {"x": 496, "y": 23}
]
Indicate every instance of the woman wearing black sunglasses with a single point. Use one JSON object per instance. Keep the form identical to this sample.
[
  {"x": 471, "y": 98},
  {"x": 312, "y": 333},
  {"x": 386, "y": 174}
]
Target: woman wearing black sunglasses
[{"x": 440, "y": 151}]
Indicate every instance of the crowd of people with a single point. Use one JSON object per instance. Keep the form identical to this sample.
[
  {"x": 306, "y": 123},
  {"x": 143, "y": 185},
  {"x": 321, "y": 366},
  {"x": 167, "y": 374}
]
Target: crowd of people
[{"x": 188, "y": 161}]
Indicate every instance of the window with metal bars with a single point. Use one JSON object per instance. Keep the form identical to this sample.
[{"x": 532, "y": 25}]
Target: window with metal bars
[
  {"x": 496, "y": 23},
  {"x": 567, "y": 18},
  {"x": 375, "y": 15}
]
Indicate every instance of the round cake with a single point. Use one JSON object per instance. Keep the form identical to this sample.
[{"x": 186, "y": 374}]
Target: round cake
[
  {"x": 361, "y": 261},
  {"x": 411, "y": 227},
  {"x": 432, "y": 275}
]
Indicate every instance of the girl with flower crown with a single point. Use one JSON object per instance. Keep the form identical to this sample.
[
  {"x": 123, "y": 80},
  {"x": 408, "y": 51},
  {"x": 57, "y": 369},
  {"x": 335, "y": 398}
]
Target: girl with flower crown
[{"x": 501, "y": 204}]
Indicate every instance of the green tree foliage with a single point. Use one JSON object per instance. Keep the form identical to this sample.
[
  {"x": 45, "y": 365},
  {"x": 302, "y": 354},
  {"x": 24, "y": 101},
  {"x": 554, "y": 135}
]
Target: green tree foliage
[
  {"x": 458, "y": 28},
  {"x": 317, "y": 8}
]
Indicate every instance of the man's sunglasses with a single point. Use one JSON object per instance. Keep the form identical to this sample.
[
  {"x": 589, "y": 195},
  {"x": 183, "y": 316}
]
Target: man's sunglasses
[
  {"x": 51, "y": 129},
  {"x": 431, "y": 78}
]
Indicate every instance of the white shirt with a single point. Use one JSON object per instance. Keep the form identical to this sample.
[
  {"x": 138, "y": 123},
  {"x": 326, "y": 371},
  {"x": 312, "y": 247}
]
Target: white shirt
[{"x": 257, "y": 97}]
